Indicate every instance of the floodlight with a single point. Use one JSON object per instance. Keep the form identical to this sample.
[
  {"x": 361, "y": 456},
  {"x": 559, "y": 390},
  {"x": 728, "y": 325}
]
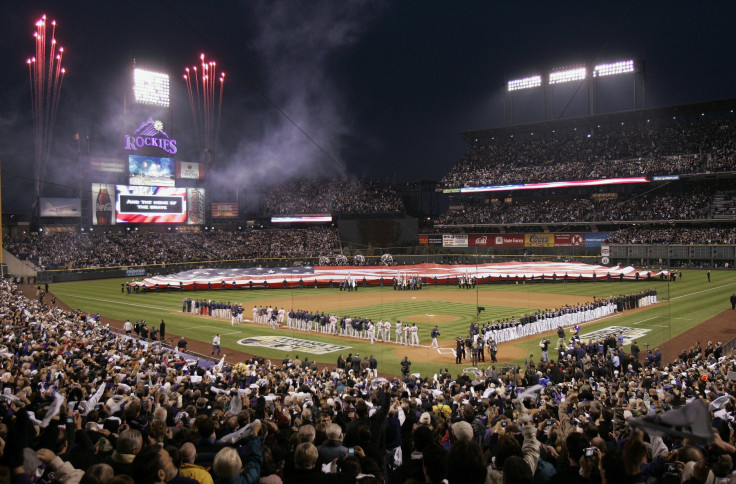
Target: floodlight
[
  {"x": 612, "y": 69},
  {"x": 567, "y": 75},
  {"x": 151, "y": 88},
  {"x": 525, "y": 83}
]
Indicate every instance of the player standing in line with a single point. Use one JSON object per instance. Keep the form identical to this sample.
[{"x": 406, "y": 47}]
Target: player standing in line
[
  {"x": 435, "y": 334},
  {"x": 414, "y": 334}
]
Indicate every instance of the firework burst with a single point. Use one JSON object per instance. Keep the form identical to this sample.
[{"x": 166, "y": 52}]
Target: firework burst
[
  {"x": 46, "y": 75},
  {"x": 205, "y": 100}
]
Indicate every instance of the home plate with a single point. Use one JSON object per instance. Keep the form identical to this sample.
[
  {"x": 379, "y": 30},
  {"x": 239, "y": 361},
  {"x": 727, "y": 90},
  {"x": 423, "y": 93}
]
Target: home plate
[{"x": 430, "y": 315}]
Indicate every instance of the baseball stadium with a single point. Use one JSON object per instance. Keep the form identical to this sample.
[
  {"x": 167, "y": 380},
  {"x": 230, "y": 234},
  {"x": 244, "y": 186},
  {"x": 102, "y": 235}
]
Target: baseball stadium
[{"x": 562, "y": 267}]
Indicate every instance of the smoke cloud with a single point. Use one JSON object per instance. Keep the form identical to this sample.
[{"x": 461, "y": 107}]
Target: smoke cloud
[{"x": 297, "y": 43}]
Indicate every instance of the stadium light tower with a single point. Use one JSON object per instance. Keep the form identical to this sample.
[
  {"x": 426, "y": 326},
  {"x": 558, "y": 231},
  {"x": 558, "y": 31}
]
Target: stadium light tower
[
  {"x": 618, "y": 68},
  {"x": 525, "y": 83},
  {"x": 615, "y": 68},
  {"x": 151, "y": 88},
  {"x": 577, "y": 73},
  {"x": 560, "y": 76}
]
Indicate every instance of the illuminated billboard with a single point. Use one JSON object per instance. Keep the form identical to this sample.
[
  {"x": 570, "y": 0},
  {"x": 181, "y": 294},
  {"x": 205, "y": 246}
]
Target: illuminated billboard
[
  {"x": 103, "y": 208},
  {"x": 546, "y": 185},
  {"x": 189, "y": 170},
  {"x": 150, "y": 135},
  {"x": 60, "y": 207},
  {"x": 302, "y": 219},
  {"x": 144, "y": 204},
  {"x": 151, "y": 171},
  {"x": 224, "y": 210},
  {"x": 100, "y": 164},
  {"x": 195, "y": 206}
]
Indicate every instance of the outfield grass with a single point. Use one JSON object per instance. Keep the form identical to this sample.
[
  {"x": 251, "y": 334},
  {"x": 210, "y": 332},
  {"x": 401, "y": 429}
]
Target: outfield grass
[{"x": 692, "y": 300}]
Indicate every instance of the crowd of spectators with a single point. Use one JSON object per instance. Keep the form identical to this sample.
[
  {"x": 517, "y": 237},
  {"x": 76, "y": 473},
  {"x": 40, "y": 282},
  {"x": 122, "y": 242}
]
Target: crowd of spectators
[
  {"x": 69, "y": 250},
  {"x": 687, "y": 205},
  {"x": 333, "y": 195},
  {"x": 80, "y": 404},
  {"x": 674, "y": 235},
  {"x": 610, "y": 151}
]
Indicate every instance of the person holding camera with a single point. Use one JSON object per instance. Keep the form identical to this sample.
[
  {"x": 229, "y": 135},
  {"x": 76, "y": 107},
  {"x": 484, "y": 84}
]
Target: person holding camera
[
  {"x": 544, "y": 345},
  {"x": 405, "y": 367}
]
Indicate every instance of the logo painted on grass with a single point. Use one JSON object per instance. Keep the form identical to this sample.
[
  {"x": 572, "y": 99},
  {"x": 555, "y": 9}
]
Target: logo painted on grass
[
  {"x": 630, "y": 334},
  {"x": 292, "y": 344}
]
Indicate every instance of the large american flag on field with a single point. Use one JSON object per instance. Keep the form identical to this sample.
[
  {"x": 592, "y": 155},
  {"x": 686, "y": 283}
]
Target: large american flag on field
[{"x": 307, "y": 276}]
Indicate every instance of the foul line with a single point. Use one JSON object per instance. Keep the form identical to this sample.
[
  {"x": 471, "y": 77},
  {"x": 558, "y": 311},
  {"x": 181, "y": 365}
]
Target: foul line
[
  {"x": 645, "y": 320},
  {"x": 714, "y": 288},
  {"x": 116, "y": 302}
]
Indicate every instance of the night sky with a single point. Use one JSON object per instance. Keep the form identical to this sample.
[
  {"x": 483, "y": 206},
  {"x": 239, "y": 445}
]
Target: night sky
[{"x": 340, "y": 87}]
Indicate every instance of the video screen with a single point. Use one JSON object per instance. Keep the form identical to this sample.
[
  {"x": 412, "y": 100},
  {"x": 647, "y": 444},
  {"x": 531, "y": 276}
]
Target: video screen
[
  {"x": 145, "y": 205},
  {"x": 151, "y": 171}
]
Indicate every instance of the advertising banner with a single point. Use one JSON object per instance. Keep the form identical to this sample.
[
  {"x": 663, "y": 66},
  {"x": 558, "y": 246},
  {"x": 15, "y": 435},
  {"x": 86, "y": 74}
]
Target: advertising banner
[
  {"x": 189, "y": 170},
  {"x": 430, "y": 239},
  {"x": 224, "y": 210},
  {"x": 658, "y": 178},
  {"x": 507, "y": 240},
  {"x": 450, "y": 240},
  {"x": 195, "y": 212},
  {"x": 569, "y": 240},
  {"x": 539, "y": 240},
  {"x": 61, "y": 207},
  {"x": 107, "y": 165},
  {"x": 103, "y": 206},
  {"x": 480, "y": 240},
  {"x": 289, "y": 219},
  {"x": 596, "y": 239}
]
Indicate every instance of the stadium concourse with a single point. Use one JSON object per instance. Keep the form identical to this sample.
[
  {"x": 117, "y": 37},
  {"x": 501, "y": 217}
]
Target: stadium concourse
[{"x": 431, "y": 274}]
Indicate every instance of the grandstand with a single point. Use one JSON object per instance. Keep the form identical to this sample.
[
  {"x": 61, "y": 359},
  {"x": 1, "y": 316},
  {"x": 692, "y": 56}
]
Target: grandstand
[{"x": 653, "y": 176}]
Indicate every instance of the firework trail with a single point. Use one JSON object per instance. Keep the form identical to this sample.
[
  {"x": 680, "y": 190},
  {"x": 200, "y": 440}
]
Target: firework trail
[
  {"x": 46, "y": 75},
  {"x": 205, "y": 101}
]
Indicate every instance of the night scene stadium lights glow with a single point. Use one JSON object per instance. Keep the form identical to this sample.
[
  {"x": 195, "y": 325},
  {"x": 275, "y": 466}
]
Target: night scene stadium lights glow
[
  {"x": 568, "y": 75},
  {"x": 525, "y": 83},
  {"x": 151, "y": 88},
  {"x": 559, "y": 76},
  {"x": 621, "y": 67}
]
